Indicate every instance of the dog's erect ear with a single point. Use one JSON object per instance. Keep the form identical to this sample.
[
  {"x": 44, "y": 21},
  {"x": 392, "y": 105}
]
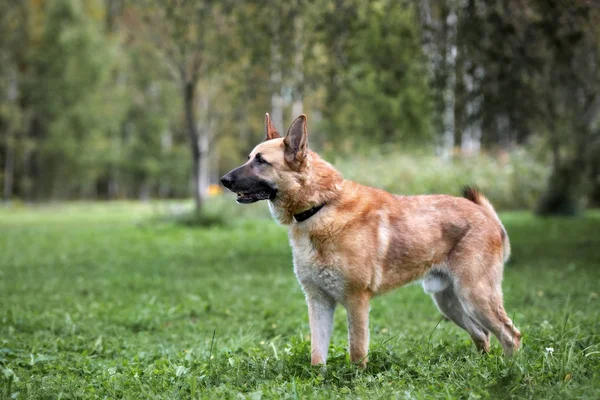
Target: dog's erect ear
[
  {"x": 270, "y": 130},
  {"x": 296, "y": 142}
]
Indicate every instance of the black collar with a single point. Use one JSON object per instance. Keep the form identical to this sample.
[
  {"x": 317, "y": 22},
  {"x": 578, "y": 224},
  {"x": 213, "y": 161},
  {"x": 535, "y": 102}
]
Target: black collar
[{"x": 304, "y": 215}]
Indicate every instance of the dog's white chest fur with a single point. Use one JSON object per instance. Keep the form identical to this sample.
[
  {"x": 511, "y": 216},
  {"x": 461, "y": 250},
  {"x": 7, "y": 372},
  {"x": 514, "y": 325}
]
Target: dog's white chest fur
[{"x": 314, "y": 274}]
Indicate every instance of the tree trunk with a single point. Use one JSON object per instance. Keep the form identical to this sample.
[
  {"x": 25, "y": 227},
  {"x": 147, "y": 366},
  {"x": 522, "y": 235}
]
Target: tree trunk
[
  {"x": 595, "y": 183},
  {"x": 166, "y": 144},
  {"x": 145, "y": 191},
  {"x": 276, "y": 79},
  {"x": 113, "y": 7},
  {"x": 461, "y": 123},
  {"x": 468, "y": 122},
  {"x": 426, "y": 35},
  {"x": 9, "y": 167},
  {"x": 204, "y": 166},
  {"x": 560, "y": 197},
  {"x": 441, "y": 54},
  {"x": 568, "y": 176},
  {"x": 205, "y": 137},
  {"x": 450, "y": 53},
  {"x": 114, "y": 174},
  {"x": 297, "y": 102},
  {"x": 188, "y": 100},
  {"x": 214, "y": 172}
]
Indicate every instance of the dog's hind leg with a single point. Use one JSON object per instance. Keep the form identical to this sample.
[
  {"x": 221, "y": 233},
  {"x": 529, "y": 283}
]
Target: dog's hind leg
[
  {"x": 321, "y": 308},
  {"x": 450, "y": 306},
  {"x": 485, "y": 305},
  {"x": 476, "y": 265}
]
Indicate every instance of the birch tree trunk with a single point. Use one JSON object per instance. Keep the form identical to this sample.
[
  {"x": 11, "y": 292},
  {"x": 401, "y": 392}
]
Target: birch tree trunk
[
  {"x": 297, "y": 99},
  {"x": 276, "y": 78},
  {"x": 189, "y": 97},
  {"x": 450, "y": 54},
  {"x": 166, "y": 144},
  {"x": 204, "y": 166},
  {"x": 427, "y": 30},
  {"x": 207, "y": 121},
  {"x": 471, "y": 135},
  {"x": 439, "y": 46},
  {"x": 145, "y": 191}
]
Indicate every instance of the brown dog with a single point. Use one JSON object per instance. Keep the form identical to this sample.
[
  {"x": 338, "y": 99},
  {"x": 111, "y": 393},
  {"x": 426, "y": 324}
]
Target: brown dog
[{"x": 352, "y": 242}]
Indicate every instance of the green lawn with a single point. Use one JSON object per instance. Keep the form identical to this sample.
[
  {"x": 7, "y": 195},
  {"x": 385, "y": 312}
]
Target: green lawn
[{"x": 105, "y": 301}]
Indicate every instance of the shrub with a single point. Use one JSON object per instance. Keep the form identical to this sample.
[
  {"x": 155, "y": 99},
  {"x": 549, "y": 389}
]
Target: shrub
[{"x": 511, "y": 181}]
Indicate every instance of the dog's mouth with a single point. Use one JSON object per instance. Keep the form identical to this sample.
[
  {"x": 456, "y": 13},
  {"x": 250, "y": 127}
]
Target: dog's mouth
[
  {"x": 251, "y": 193},
  {"x": 249, "y": 189},
  {"x": 252, "y": 197}
]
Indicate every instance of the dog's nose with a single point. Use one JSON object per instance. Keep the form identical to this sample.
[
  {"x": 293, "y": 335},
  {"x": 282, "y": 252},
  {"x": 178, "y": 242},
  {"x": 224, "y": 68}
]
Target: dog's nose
[{"x": 226, "y": 181}]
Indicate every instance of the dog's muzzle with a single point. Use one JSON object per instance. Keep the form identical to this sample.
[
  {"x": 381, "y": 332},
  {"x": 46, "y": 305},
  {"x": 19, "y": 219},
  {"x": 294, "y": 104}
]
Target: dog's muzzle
[{"x": 249, "y": 189}]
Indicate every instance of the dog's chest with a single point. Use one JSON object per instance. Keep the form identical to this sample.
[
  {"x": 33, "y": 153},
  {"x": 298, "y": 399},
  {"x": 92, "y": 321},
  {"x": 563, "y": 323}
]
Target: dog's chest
[{"x": 315, "y": 268}]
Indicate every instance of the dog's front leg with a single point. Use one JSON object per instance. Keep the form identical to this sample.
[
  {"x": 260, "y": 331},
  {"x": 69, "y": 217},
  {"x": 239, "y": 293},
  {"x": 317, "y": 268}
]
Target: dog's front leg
[
  {"x": 357, "y": 308},
  {"x": 320, "y": 314}
]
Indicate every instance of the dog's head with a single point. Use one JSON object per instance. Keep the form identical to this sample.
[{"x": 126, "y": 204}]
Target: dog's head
[{"x": 273, "y": 166}]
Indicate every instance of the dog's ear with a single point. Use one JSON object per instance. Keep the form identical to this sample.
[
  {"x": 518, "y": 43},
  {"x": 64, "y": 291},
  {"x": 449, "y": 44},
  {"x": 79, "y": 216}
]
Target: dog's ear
[
  {"x": 270, "y": 130},
  {"x": 296, "y": 142}
]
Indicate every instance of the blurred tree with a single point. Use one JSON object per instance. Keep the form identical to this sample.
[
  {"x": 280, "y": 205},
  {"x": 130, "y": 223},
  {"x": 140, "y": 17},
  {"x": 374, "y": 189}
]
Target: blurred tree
[
  {"x": 275, "y": 36},
  {"x": 64, "y": 92},
  {"x": 375, "y": 74},
  {"x": 13, "y": 36},
  {"x": 109, "y": 98},
  {"x": 439, "y": 25},
  {"x": 567, "y": 79},
  {"x": 149, "y": 135},
  {"x": 186, "y": 33},
  {"x": 519, "y": 69}
]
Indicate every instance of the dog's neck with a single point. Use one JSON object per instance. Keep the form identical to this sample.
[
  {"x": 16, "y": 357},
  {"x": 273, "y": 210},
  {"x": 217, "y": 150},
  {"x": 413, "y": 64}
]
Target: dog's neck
[
  {"x": 318, "y": 183},
  {"x": 304, "y": 215}
]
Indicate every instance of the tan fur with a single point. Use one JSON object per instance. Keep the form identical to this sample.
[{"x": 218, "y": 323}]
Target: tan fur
[{"x": 365, "y": 242}]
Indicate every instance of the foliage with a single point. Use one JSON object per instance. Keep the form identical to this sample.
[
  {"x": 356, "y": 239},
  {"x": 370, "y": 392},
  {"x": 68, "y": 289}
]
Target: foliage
[
  {"x": 150, "y": 151},
  {"x": 381, "y": 87},
  {"x": 119, "y": 99},
  {"x": 69, "y": 68},
  {"x": 510, "y": 180},
  {"x": 521, "y": 71},
  {"x": 94, "y": 118},
  {"x": 95, "y": 305}
]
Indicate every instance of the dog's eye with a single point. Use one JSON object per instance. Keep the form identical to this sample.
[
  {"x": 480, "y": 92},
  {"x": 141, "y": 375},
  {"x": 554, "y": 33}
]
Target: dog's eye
[{"x": 259, "y": 159}]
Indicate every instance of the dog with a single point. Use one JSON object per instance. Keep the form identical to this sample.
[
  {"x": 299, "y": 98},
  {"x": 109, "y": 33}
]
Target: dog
[{"x": 352, "y": 242}]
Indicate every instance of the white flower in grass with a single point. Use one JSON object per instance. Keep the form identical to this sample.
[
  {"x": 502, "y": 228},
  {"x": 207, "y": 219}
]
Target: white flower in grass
[{"x": 549, "y": 350}]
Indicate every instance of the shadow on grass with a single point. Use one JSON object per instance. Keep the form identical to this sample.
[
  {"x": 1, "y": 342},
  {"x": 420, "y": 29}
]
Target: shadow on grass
[
  {"x": 510, "y": 383},
  {"x": 202, "y": 219},
  {"x": 189, "y": 219}
]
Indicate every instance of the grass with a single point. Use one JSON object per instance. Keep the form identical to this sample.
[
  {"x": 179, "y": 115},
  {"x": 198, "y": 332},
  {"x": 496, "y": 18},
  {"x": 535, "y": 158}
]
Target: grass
[{"x": 103, "y": 301}]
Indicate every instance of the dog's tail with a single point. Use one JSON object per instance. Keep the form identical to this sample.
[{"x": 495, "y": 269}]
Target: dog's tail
[{"x": 471, "y": 193}]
